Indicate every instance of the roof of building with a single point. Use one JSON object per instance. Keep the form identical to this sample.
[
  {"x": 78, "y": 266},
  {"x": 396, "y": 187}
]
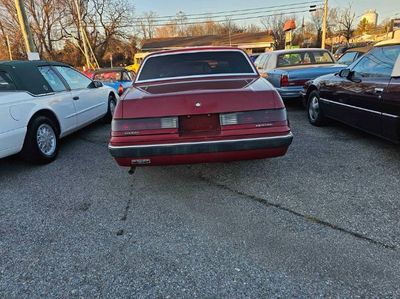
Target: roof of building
[{"x": 206, "y": 40}]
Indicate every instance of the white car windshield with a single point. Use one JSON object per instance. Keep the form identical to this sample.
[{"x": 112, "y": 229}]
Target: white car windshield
[{"x": 194, "y": 64}]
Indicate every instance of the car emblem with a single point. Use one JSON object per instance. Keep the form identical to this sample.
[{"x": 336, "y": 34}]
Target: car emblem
[{"x": 198, "y": 104}]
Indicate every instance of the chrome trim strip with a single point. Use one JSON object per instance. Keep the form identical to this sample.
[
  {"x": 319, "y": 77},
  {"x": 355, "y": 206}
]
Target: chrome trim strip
[
  {"x": 391, "y": 115},
  {"x": 350, "y": 106},
  {"x": 290, "y": 135}
]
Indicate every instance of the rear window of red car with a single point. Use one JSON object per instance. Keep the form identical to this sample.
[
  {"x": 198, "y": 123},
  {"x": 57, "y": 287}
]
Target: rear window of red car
[{"x": 202, "y": 63}]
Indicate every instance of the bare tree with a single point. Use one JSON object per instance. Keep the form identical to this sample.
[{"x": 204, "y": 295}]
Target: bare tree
[
  {"x": 274, "y": 24},
  {"x": 180, "y": 21},
  {"x": 105, "y": 23},
  {"x": 10, "y": 27},
  {"x": 251, "y": 28},
  {"x": 147, "y": 24},
  {"x": 168, "y": 30},
  {"x": 107, "y": 20},
  {"x": 346, "y": 22},
  {"x": 47, "y": 19},
  {"x": 317, "y": 20}
]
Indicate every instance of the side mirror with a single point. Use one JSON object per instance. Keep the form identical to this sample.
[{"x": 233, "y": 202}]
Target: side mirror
[
  {"x": 345, "y": 73},
  {"x": 97, "y": 84}
]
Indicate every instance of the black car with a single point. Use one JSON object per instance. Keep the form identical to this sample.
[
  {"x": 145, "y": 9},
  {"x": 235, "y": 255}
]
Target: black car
[
  {"x": 366, "y": 95},
  {"x": 340, "y": 51},
  {"x": 353, "y": 54}
]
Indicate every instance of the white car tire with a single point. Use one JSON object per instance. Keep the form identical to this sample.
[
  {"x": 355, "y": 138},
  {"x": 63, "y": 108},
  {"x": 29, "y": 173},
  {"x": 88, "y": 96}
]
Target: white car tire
[{"x": 41, "y": 143}]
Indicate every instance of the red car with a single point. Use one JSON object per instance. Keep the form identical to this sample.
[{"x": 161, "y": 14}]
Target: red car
[{"x": 198, "y": 105}]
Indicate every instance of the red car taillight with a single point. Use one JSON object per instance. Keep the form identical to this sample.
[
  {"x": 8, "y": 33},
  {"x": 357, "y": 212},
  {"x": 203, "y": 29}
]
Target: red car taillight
[
  {"x": 253, "y": 117},
  {"x": 284, "y": 80},
  {"x": 120, "y": 90},
  {"x": 131, "y": 127}
]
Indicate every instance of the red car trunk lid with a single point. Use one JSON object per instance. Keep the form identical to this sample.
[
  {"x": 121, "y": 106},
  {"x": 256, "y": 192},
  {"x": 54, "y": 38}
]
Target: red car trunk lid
[{"x": 199, "y": 98}]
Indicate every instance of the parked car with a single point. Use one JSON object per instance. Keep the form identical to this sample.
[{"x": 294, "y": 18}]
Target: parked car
[
  {"x": 366, "y": 95},
  {"x": 353, "y": 54},
  {"x": 118, "y": 78},
  {"x": 41, "y": 102},
  {"x": 340, "y": 51},
  {"x": 288, "y": 70},
  {"x": 198, "y": 105}
]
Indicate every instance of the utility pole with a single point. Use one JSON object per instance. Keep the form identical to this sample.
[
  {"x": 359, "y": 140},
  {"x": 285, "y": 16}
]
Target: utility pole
[
  {"x": 26, "y": 30},
  {"x": 9, "y": 47},
  {"x": 324, "y": 24},
  {"x": 83, "y": 34}
]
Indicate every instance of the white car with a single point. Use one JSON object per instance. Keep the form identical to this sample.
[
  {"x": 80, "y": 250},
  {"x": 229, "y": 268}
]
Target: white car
[{"x": 41, "y": 102}]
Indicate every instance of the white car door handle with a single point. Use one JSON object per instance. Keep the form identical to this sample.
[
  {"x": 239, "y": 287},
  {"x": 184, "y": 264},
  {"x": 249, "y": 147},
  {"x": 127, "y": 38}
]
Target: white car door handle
[
  {"x": 75, "y": 98},
  {"x": 378, "y": 90}
]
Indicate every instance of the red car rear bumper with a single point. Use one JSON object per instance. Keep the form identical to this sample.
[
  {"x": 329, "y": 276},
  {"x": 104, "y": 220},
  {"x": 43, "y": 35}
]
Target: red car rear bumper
[{"x": 201, "y": 152}]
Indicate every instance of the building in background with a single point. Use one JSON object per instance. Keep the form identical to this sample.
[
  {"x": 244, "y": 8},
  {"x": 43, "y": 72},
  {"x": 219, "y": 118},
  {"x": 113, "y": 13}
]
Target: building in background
[
  {"x": 371, "y": 16},
  {"x": 288, "y": 27},
  {"x": 395, "y": 24}
]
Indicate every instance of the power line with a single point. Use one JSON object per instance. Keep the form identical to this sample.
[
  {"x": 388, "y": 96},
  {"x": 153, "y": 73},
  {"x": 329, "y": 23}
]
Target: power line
[
  {"x": 221, "y": 21},
  {"x": 189, "y": 16},
  {"x": 297, "y": 6},
  {"x": 250, "y": 16}
]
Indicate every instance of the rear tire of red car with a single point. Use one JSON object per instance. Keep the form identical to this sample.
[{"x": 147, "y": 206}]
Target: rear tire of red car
[
  {"x": 41, "y": 143},
  {"x": 315, "y": 114},
  {"x": 112, "y": 103}
]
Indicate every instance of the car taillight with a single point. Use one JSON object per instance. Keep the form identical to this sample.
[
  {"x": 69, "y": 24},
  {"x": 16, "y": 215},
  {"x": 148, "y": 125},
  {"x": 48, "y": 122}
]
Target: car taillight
[
  {"x": 284, "y": 80},
  {"x": 253, "y": 117},
  {"x": 129, "y": 127},
  {"x": 120, "y": 90}
]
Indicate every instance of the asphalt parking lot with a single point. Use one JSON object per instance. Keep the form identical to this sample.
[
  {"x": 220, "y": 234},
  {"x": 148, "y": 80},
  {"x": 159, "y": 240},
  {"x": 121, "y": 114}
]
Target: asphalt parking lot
[{"x": 322, "y": 221}]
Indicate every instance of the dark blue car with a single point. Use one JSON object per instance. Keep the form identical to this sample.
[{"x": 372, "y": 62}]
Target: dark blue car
[
  {"x": 288, "y": 70},
  {"x": 118, "y": 78}
]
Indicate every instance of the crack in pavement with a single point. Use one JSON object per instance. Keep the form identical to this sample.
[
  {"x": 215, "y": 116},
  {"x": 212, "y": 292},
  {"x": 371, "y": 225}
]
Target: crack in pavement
[
  {"x": 308, "y": 218},
  {"x": 126, "y": 210}
]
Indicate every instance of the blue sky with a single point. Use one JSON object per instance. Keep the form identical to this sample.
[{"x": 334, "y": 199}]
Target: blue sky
[{"x": 386, "y": 8}]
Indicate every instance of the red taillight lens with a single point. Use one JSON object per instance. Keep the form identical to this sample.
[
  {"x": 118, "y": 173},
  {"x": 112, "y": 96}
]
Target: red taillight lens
[
  {"x": 130, "y": 127},
  {"x": 284, "y": 80},
  {"x": 120, "y": 90},
  {"x": 253, "y": 117}
]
